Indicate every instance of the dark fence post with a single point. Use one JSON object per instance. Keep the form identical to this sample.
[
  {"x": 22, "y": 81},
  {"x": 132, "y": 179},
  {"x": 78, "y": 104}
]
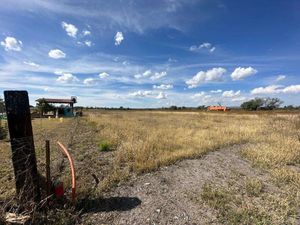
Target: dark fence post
[
  {"x": 22, "y": 145},
  {"x": 48, "y": 176}
]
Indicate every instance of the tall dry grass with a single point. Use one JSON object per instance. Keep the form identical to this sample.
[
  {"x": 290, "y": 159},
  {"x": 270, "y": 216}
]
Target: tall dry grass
[
  {"x": 143, "y": 141},
  {"x": 146, "y": 140}
]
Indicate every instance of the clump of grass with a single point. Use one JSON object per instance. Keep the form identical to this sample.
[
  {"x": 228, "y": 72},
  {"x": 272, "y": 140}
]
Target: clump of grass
[
  {"x": 253, "y": 187},
  {"x": 286, "y": 176},
  {"x": 104, "y": 146},
  {"x": 231, "y": 208},
  {"x": 216, "y": 198}
]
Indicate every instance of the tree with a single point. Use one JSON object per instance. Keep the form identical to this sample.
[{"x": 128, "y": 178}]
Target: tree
[
  {"x": 44, "y": 107},
  {"x": 262, "y": 103},
  {"x": 272, "y": 103},
  {"x": 201, "y": 107},
  {"x": 253, "y": 104},
  {"x": 173, "y": 107}
]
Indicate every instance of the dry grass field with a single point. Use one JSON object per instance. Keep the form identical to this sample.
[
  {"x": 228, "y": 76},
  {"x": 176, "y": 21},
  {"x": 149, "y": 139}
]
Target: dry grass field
[{"x": 116, "y": 146}]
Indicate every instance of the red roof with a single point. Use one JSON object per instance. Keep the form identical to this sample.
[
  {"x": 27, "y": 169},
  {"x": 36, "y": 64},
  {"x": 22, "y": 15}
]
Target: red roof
[{"x": 56, "y": 100}]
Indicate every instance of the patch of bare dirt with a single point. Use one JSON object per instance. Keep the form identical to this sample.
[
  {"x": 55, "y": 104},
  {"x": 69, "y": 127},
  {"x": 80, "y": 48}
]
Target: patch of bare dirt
[{"x": 168, "y": 195}]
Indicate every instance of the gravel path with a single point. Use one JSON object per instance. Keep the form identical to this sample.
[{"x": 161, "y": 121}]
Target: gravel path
[{"x": 168, "y": 195}]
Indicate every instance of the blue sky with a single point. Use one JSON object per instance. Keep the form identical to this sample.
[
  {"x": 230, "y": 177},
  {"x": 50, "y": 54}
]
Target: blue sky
[{"x": 151, "y": 53}]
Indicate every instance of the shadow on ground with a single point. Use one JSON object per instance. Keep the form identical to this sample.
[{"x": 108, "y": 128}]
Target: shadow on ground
[{"x": 108, "y": 204}]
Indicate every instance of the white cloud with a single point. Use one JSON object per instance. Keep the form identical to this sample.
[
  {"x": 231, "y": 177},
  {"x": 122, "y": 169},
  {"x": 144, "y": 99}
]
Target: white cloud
[
  {"x": 141, "y": 94},
  {"x": 86, "y": 32},
  {"x": 138, "y": 76},
  {"x": 275, "y": 89},
  {"x": 216, "y": 91},
  {"x": 88, "y": 43},
  {"x": 70, "y": 29},
  {"x": 12, "y": 44},
  {"x": 163, "y": 86},
  {"x": 56, "y": 54},
  {"x": 119, "y": 38},
  {"x": 171, "y": 60},
  {"x": 241, "y": 73},
  {"x": 125, "y": 63},
  {"x": 158, "y": 75},
  {"x": 205, "y": 45},
  {"x": 212, "y": 75},
  {"x": 292, "y": 89},
  {"x": 58, "y": 72},
  {"x": 266, "y": 90},
  {"x": 212, "y": 49},
  {"x": 46, "y": 89},
  {"x": 103, "y": 75},
  {"x": 29, "y": 63},
  {"x": 161, "y": 95},
  {"x": 193, "y": 48},
  {"x": 149, "y": 73},
  {"x": 238, "y": 99},
  {"x": 67, "y": 78},
  {"x": 280, "y": 77},
  {"x": 90, "y": 81},
  {"x": 231, "y": 94},
  {"x": 207, "y": 96},
  {"x": 198, "y": 95}
]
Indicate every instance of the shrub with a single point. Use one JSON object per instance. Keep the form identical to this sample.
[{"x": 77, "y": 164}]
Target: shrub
[{"x": 104, "y": 146}]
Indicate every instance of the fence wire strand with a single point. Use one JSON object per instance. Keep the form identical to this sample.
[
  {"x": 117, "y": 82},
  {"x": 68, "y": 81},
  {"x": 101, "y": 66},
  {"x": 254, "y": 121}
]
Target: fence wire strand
[{"x": 54, "y": 131}]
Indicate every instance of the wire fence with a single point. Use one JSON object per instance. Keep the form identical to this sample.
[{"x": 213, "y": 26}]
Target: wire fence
[{"x": 19, "y": 177}]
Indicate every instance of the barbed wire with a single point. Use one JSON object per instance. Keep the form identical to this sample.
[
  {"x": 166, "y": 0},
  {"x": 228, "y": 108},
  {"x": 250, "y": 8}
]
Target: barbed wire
[{"x": 24, "y": 156}]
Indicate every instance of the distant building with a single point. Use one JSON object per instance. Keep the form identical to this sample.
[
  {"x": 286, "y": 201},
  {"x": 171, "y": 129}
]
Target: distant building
[
  {"x": 217, "y": 108},
  {"x": 65, "y": 109}
]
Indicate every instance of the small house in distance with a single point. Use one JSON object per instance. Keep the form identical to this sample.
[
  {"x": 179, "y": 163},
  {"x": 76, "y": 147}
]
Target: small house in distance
[
  {"x": 64, "y": 109},
  {"x": 218, "y": 108}
]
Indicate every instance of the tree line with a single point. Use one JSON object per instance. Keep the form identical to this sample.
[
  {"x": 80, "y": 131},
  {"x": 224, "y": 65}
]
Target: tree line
[
  {"x": 253, "y": 104},
  {"x": 262, "y": 103}
]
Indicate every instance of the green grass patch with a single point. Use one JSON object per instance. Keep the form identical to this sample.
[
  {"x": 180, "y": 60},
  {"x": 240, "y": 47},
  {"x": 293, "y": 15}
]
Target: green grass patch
[{"x": 105, "y": 146}]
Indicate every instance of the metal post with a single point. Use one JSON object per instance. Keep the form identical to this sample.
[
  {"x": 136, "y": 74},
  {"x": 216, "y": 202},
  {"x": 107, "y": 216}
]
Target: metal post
[
  {"x": 48, "y": 177},
  {"x": 22, "y": 145}
]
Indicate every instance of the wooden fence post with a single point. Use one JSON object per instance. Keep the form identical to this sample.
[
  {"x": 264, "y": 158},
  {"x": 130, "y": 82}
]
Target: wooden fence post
[
  {"x": 22, "y": 145},
  {"x": 48, "y": 176}
]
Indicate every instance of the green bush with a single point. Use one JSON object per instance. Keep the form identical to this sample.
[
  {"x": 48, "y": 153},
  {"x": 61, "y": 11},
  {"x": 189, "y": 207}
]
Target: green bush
[{"x": 104, "y": 146}]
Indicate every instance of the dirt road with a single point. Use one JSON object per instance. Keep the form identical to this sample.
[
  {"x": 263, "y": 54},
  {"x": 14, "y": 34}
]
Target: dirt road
[{"x": 171, "y": 195}]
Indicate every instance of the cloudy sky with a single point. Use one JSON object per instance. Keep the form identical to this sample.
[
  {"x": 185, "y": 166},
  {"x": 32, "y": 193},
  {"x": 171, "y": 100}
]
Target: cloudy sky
[{"x": 140, "y": 53}]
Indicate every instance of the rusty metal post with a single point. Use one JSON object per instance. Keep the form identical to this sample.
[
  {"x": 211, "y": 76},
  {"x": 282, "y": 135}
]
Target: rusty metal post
[
  {"x": 48, "y": 177},
  {"x": 22, "y": 145}
]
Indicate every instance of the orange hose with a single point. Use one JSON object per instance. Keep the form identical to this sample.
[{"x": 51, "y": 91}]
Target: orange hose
[{"x": 66, "y": 152}]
